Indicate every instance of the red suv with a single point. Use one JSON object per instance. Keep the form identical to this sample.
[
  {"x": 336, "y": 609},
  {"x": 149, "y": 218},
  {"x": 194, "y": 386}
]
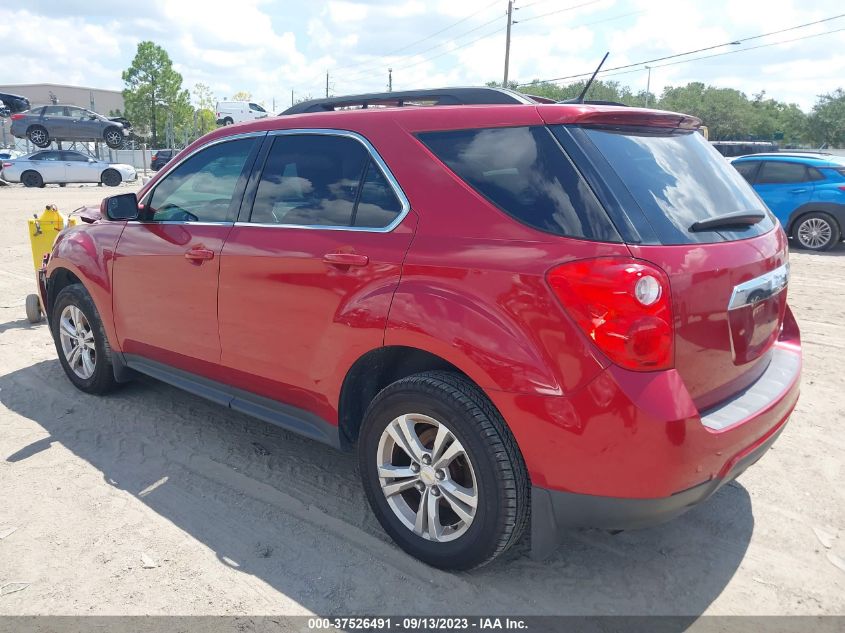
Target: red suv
[{"x": 565, "y": 314}]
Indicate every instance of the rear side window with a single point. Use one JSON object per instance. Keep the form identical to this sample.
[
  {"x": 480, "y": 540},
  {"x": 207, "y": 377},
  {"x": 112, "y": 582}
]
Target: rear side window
[
  {"x": 524, "y": 172},
  {"x": 323, "y": 180},
  {"x": 677, "y": 179},
  {"x": 779, "y": 172}
]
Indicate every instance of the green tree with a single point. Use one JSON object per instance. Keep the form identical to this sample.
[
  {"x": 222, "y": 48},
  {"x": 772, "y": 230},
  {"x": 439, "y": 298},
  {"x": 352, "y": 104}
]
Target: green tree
[
  {"x": 153, "y": 94},
  {"x": 242, "y": 95},
  {"x": 205, "y": 102},
  {"x": 826, "y": 123}
]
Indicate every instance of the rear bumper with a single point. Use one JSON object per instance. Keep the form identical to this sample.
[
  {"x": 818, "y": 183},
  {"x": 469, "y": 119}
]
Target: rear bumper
[
  {"x": 631, "y": 449},
  {"x": 554, "y": 511}
]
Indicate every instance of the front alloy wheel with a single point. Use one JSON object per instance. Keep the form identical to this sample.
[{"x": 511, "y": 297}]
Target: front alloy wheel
[
  {"x": 427, "y": 477},
  {"x": 77, "y": 341}
]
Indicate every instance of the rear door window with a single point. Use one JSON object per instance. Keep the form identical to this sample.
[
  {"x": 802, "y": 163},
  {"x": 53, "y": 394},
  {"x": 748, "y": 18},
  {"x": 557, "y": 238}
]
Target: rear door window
[
  {"x": 780, "y": 172},
  {"x": 526, "y": 174},
  {"x": 677, "y": 179}
]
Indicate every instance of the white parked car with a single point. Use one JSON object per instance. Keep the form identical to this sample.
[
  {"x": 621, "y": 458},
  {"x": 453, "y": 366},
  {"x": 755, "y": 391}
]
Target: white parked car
[
  {"x": 229, "y": 112},
  {"x": 63, "y": 166}
]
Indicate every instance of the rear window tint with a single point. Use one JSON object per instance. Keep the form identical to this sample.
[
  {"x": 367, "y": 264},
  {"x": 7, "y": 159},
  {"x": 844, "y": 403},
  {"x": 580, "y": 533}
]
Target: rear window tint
[
  {"x": 779, "y": 172},
  {"x": 678, "y": 179},
  {"x": 524, "y": 172},
  {"x": 747, "y": 169}
]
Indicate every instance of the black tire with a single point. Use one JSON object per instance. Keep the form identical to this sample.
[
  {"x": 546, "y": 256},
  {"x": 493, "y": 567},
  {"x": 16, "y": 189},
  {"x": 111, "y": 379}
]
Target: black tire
[
  {"x": 38, "y": 136},
  {"x": 33, "y": 309},
  {"x": 32, "y": 179},
  {"x": 111, "y": 178},
  {"x": 503, "y": 488},
  {"x": 228, "y": 121},
  {"x": 113, "y": 137},
  {"x": 102, "y": 380},
  {"x": 816, "y": 231}
]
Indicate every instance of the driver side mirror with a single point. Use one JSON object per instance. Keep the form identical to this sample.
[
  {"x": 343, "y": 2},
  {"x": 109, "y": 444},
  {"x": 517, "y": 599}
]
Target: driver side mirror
[{"x": 122, "y": 207}]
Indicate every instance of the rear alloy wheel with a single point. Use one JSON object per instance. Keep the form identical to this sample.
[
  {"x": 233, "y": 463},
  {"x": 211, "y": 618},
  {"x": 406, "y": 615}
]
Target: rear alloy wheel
[
  {"x": 442, "y": 471},
  {"x": 111, "y": 178},
  {"x": 32, "y": 179},
  {"x": 816, "y": 232},
  {"x": 113, "y": 137},
  {"x": 37, "y": 134}
]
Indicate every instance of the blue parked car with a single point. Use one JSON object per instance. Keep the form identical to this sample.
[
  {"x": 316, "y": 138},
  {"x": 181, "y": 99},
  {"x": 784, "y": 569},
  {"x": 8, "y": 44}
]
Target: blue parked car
[{"x": 805, "y": 191}]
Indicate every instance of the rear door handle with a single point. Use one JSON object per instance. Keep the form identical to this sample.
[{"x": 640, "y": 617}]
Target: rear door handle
[
  {"x": 346, "y": 259},
  {"x": 199, "y": 254},
  {"x": 801, "y": 190}
]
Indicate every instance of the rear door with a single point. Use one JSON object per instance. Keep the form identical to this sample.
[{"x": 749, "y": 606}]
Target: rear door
[
  {"x": 79, "y": 169},
  {"x": 307, "y": 277},
  {"x": 55, "y": 119},
  {"x": 784, "y": 186},
  {"x": 727, "y": 284},
  {"x": 167, "y": 263},
  {"x": 50, "y": 165}
]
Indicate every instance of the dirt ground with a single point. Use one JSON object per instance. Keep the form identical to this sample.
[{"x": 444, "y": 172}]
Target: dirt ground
[{"x": 153, "y": 501}]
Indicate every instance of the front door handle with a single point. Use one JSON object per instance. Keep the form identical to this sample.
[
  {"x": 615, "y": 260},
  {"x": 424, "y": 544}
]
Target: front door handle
[
  {"x": 346, "y": 259},
  {"x": 801, "y": 190},
  {"x": 198, "y": 254}
]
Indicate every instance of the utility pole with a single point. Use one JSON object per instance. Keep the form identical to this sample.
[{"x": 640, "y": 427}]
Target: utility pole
[
  {"x": 648, "y": 86},
  {"x": 390, "y": 80},
  {"x": 508, "y": 43},
  {"x": 291, "y": 97},
  {"x": 327, "y": 84}
]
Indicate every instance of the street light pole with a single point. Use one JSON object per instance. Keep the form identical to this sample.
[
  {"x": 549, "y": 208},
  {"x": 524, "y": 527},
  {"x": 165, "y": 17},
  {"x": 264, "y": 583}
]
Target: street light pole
[
  {"x": 508, "y": 43},
  {"x": 648, "y": 86},
  {"x": 390, "y": 80}
]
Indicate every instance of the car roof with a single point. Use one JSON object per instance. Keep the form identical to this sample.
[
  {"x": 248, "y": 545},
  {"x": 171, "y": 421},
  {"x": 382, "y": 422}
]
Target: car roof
[
  {"x": 817, "y": 159},
  {"x": 451, "y": 117}
]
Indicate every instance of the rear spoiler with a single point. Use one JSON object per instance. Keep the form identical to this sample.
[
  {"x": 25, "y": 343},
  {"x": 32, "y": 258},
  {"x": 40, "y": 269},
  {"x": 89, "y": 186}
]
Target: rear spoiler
[{"x": 611, "y": 116}]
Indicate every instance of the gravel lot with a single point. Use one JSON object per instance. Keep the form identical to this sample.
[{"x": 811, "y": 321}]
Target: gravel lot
[{"x": 153, "y": 501}]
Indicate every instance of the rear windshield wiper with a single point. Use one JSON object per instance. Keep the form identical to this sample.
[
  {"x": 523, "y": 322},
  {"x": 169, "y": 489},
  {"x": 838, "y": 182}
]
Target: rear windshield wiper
[{"x": 729, "y": 221}]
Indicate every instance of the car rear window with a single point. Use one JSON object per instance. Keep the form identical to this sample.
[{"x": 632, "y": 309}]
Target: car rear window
[
  {"x": 524, "y": 172},
  {"x": 677, "y": 179}
]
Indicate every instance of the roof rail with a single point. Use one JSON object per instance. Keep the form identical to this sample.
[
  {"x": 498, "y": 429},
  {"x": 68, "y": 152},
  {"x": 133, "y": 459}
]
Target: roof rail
[{"x": 435, "y": 96}]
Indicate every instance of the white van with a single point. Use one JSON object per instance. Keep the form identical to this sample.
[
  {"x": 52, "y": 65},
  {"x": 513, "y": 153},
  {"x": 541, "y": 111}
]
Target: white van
[{"x": 229, "y": 112}]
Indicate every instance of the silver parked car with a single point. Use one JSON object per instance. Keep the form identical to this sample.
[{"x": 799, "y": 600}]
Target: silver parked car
[
  {"x": 63, "y": 166},
  {"x": 44, "y": 124}
]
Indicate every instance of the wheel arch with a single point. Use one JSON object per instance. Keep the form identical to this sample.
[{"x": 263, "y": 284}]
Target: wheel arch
[
  {"x": 374, "y": 371},
  {"x": 836, "y": 211},
  {"x": 60, "y": 278}
]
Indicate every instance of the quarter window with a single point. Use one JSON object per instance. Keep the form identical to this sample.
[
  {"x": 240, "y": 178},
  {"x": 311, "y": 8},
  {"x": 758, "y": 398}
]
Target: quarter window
[
  {"x": 316, "y": 180},
  {"x": 524, "y": 172},
  {"x": 778, "y": 172},
  {"x": 202, "y": 189}
]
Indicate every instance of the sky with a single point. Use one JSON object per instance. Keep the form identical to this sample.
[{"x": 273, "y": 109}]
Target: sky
[{"x": 271, "y": 48}]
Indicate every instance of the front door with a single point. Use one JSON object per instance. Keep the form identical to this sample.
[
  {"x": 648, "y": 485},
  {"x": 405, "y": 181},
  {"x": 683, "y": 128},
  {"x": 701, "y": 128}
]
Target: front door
[
  {"x": 167, "y": 263},
  {"x": 306, "y": 282}
]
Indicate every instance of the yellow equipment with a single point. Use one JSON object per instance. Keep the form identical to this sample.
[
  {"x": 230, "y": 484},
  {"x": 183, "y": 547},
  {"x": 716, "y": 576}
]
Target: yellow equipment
[{"x": 43, "y": 230}]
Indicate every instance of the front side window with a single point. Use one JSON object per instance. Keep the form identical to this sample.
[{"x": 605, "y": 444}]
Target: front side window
[
  {"x": 747, "y": 169},
  {"x": 256, "y": 107},
  {"x": 313, "y": 180},
  {"x": 524, "y": 172},
  {"x": 202, "y": 188},
  {"x": 778, "y": 172}
]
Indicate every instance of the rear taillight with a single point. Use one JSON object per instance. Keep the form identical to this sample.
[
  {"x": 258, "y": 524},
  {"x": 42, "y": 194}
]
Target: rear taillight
[
  {"x": 623, "y": 305},
  {"x": 841, "y": 187},
  {"x": 15, "y": 117},
  {"x": 7, "y": 164},
  {"x": 154, "y": 156}
]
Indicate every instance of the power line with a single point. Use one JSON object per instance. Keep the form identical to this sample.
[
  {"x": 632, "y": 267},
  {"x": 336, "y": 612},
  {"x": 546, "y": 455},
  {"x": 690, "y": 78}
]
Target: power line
[
  {"x": 367, "y": 71},
  {"x": 698, "y": 50},
  {"x": 543, "y": 15},
  {"x": 426, "y": 38}
]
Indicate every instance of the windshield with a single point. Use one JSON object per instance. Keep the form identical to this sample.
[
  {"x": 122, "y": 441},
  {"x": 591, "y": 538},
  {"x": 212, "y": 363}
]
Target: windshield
[{"x": 678, "y": 179}]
